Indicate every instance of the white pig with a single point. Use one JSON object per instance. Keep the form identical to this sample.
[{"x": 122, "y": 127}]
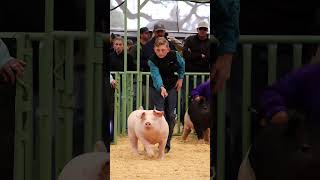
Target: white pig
[
  {"x": 150, "y": 127},
  {"x": 88, "y": 166}
]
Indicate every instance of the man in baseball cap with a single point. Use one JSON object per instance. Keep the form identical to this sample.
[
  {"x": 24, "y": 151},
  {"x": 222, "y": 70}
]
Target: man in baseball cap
[
  {"x": 159, "y": 30},
  {"x": 203, "y": 24},
  {"x": 144, "y": 38},
  {"x": 196, "y": 50}
]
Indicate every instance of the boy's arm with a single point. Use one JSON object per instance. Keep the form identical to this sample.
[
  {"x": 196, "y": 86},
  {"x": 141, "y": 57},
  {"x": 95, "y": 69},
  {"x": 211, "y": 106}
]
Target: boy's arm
[
  {"x": 198, "y": 91},
  {"x": 155, "y": 75},
  {"x": 181, "y": 64},
  {"x": 284, "y": 93}
]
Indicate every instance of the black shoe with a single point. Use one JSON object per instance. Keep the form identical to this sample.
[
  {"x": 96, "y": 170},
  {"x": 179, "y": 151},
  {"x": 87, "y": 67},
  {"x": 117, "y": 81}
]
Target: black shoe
[{"x": 166, "y": 150}]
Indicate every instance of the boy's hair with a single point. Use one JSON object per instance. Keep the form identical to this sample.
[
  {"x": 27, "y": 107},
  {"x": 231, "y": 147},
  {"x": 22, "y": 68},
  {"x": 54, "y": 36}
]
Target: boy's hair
[{"x": 161, "y": 41}]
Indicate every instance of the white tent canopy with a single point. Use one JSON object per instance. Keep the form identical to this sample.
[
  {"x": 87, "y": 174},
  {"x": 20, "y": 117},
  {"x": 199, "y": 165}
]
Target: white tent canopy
[{"x": 177, "y": 16}]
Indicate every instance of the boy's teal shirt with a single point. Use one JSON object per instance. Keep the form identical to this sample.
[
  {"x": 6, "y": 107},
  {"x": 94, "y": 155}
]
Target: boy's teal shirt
[
  {"x": 225, "y": 22},
  {"x": 155, "y": 73},
  {"x": 4, "y": 54}
]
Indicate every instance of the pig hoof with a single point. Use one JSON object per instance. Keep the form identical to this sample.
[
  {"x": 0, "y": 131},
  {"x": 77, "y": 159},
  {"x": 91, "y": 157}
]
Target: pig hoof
[
  {"x": 150, "y": 155},
  {"x": 161, "y": 157}
]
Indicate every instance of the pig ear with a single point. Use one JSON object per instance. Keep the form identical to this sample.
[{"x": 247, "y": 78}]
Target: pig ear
[
  {"x": 157, "y": 113},
  {"x": 143, "y": 115}
]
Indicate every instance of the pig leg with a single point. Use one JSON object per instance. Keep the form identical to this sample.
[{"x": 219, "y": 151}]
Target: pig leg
[
  {"x": 147, "y": 147},
  {"x": 186, "y": 132},
  {"x": 134, "y": 142},
  {"x": 187, "y": 126},
  {"x": 207, "y": 135},
  {"x": 161, "y": 147}
]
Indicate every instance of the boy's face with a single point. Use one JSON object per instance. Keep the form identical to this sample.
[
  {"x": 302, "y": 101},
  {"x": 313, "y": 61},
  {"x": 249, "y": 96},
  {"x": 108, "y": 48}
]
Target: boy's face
[
  {"x": 161, "y": 51},
  {"x": 118, "y": 46}
]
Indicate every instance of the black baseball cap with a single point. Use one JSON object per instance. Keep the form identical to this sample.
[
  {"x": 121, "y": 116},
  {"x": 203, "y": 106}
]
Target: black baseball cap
[{"x": 143, "y": 30}]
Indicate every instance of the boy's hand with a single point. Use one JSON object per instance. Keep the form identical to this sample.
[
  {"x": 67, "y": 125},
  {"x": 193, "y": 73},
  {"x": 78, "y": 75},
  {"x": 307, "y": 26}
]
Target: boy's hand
[
  {"x": 179, "y": 84},
  {"x": 198, "y": 98},
  {"x": 280, "y": 118},
  {"x": 220, "y": 72},
  {"x": 114, "y": 83},
  {"x": 11, "y": 68},
  {"x": 164, "y": 93}
]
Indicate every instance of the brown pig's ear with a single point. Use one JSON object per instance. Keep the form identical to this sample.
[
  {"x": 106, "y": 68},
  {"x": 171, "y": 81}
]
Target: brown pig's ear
[
  {"x": 143, "y": 116},
  {"x": 157, "y": 113}
]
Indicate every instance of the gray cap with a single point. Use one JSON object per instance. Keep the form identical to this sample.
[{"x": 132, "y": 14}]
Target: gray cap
[
  {"x": 203, "y": 24},
  {"x": 158, "y": 27}
]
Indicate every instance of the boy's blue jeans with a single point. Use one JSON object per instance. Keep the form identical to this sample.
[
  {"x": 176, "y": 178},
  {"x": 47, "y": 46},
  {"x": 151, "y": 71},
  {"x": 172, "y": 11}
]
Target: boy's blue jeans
[{"x": 168, "y": 105}]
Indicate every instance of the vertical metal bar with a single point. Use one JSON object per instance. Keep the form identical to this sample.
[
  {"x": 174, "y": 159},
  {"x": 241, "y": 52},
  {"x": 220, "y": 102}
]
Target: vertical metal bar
[
  {"x": 123, "y": 103},
  {"x": 138, "y": 36},
  {"x": 119, "y": 104},
  {"x": 23, "y": 153},
  {"x": 45, "y": 108},
  {"x": 115, "y": 112},
  {"x": 194, "y": 81},
  {"x": 124, "y": 77},
  {"x": 246, "y": 98},
  {"x": 202, "y": 79},
  {"x": 272, "y": 63},
  {"x": 46, "y": 95},
  {"x": 139, "y": 89},
  {"x": 98, "y": 75},
  {"x": 19, "y": 148},
  {"x": 178, "y": 112},
  {"x": 221, "y": 139},
  {"x": 187, "y": 91},
  {"x": 28, "y": 98},
  {"x": 297, "y": 55},
  {"x": 128, "y": 95},
  {"x": 60, "y": 135},
  {"x": 132, "y": 94},
  {"x": 88, "y": 123},
  {"x": 140, "y": 75},
  {"x": 147, "y": 91},
  {"x": 70, "y": 97}
]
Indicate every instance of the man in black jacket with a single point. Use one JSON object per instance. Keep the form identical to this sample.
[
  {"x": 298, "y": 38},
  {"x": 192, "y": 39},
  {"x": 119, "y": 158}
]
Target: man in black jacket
[{"x": 196, "y": 50}]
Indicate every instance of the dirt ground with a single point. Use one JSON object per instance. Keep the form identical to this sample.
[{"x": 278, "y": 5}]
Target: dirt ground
[{"x": 185, "y": 161}]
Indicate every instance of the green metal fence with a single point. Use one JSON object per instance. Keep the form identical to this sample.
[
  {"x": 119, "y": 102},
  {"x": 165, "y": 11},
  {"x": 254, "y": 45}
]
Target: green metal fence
[{"x": 53, "y": 125}]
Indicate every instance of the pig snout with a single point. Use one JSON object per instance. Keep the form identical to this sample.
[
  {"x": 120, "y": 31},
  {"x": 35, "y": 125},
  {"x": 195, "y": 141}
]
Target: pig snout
[{"x": 148, "y": 124}]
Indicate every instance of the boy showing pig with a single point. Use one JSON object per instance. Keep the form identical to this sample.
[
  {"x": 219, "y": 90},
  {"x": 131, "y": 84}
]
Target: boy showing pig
[{"x": 163, "y": 64}]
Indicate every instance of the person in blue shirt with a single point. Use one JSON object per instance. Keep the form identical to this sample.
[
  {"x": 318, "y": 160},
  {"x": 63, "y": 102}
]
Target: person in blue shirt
[
  {"x": 225, "y": 23},
  {"x": 224, "y": 20},
  {"x": 163, "y": 65}
]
